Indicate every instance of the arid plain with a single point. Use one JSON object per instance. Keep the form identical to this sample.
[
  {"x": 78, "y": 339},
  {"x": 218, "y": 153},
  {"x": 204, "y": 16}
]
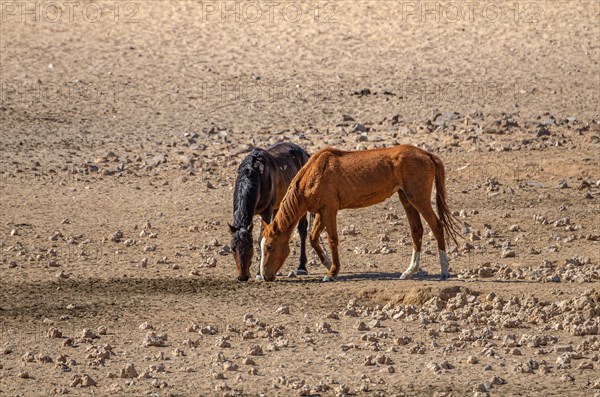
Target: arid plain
[{"x": 122, "y": 125}]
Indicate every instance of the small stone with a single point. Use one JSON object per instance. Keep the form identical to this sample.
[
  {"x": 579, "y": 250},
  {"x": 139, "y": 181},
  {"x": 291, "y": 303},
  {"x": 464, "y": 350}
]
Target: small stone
[
  {"x": 374, "y": 324},
  {"x": 496, "y": 380},
  {"x": 283, "y": 310},
  {"x": 361, "y": 326},
  {"x": 472, "y": 360},
  {"x": 229, "y": 366},
  {"x": 54, "y": 333},
  {"x": 255, "y": 350},
  {"x": 567, "y": 378},
  {"x": 349, "y": 231},
  {"x": 153, "y": 339},
  {"x": 145, "y": 326},
  {"x": 507, "y": 253},
  {"x": 88, "y": 334},
  {"x": 333, "y": 316},
  {"x": 128, "y": 371},
  {"x": 23, "y": 375},
  {"x": 586, "y": 365},
  {"x": 324, "y": 328}
]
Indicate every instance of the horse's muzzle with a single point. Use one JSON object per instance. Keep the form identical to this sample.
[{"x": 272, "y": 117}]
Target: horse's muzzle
[
  {"x": 268, "y": 278},
  {"x": 243, "y": 278}
]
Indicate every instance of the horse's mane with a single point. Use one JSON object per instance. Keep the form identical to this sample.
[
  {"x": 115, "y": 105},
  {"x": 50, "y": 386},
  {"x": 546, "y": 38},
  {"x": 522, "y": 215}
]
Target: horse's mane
[
  {"x": 288, "y": 212},
  {"x": 246, "y": 188}
]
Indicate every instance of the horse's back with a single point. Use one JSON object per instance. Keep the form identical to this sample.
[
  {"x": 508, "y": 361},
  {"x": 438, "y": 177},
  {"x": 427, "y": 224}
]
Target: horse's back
[
  {"x": 284, "y": 150},
  {"x": 362, "y": 178}
]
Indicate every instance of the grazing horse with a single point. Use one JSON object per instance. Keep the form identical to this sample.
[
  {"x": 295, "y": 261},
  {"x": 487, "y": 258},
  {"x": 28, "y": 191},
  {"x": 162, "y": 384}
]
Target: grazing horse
[
  {"x": 262, "y": 180},
  {"x": 334, "y": 179}
]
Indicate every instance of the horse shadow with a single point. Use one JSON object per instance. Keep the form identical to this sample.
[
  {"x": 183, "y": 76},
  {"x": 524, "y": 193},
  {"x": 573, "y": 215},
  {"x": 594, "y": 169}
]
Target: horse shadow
[
  {"x": 358, "y": 277},
  {"x": 392, "y": 276}
]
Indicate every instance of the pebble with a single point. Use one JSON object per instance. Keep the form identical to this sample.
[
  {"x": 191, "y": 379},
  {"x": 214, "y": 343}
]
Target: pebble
[
  {"x": 349, "y": 231},
  {"x": 82, "y": 381},
  {"x": 146, "y": 326},
  {"x": 283, "y": 310},
  {"x": 154, "y": 339},
  {"x": 23, "y": 375},
  {"x": 128, "y": 371},
  {"x": 54, "y": 333},
  {"x": 255, "y": 350},
  {"x": 361, "y": 326}
]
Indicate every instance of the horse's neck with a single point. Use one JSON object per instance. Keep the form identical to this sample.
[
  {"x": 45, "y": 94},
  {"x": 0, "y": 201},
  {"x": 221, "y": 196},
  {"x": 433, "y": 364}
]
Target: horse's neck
[
  {"x": 246, "y": 199},
  {"x": 290, "y": 211}
]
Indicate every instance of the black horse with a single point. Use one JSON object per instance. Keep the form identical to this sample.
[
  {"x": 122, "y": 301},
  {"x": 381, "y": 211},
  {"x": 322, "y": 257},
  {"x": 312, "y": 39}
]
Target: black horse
[{"x": 262, "y": 180}]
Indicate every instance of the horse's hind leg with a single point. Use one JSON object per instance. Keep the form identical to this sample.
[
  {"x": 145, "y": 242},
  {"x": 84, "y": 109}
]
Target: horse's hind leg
[
  {"x": 315, "y": 238},
  {"x": 424, "y": 208},
  {"x": 416, "y": 233},
  {"x": 302, "y": 231}
]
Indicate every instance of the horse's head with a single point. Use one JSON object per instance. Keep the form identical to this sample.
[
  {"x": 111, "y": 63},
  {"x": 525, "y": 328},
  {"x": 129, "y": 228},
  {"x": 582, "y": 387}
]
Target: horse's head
[
  {"x": 241, "y": 245},
  {"x": 274, "y": 249}
]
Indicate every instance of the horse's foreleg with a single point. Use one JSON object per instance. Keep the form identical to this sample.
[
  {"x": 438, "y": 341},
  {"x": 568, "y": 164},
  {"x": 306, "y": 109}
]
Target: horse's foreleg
[
  {"x": 302, "y": 231},
  {"x": 265, "y": 216},
  {"x": 330, "y": 221},
  {"x": 315, "y": 238}
]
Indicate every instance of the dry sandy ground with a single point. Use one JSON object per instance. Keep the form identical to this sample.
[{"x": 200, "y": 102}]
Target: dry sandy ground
[{"x": 121, "y": 133}]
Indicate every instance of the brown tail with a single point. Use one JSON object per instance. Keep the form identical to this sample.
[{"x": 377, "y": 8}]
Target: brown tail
[{"x": 448, "y": 220}]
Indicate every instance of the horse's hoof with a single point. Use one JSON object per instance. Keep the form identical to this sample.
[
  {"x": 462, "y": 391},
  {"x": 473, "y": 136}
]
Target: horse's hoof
[
  {"x": 405, "y": 276},
  {"x": 301, "y": 272},
  {"x": 328, "y": 279},
  {"x": 444, "y": 277},
  {"x": 259, "y": 277}
]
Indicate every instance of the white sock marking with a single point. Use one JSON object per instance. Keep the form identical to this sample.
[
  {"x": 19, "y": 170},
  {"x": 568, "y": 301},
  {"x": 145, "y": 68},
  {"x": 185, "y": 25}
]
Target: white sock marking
[
  {"x": 262, "y": 257},
  {"x": 444, "y": 262},
  {"x": 415, "y": 264},
  {"x": 444, "y": 259}
]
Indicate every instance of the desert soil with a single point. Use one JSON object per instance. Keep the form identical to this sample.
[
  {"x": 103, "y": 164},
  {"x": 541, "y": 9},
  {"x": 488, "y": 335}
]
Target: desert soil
[{"x": 120, "y": 141}]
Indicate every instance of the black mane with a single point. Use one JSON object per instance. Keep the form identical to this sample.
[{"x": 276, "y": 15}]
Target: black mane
[{"x": 247, "y": 188}]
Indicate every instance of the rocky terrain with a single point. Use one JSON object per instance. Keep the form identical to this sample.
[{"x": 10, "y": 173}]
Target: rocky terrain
[{"x": 120, "y": 140}]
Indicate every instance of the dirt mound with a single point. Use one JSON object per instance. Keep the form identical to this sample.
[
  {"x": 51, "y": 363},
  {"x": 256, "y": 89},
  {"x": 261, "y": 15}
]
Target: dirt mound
[{"x": 416, "y": 296}]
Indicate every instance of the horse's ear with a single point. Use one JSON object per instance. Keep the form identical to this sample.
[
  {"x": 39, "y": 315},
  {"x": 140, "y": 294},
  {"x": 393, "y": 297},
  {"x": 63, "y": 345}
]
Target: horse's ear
[
  {"x": 232, "y": 229},
  {"x": 250, "y": 226},
  {"x": 263, "y": 223}
]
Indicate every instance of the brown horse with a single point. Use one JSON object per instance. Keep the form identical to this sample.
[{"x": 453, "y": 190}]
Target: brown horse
[
  {"x": 334, "y": 179},
  {"x": 262, "y": 180}
]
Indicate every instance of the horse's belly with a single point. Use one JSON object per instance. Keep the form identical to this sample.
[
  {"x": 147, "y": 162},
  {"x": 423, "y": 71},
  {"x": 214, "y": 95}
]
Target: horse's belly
[{"x": 361, "y": 200}]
